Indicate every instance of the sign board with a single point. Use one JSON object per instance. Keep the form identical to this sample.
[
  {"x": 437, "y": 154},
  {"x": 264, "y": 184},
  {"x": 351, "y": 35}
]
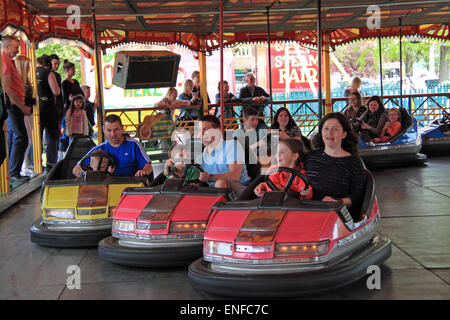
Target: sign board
[
  {"x": 294, "y": 68},
  {"x": 153, "y": 127}
]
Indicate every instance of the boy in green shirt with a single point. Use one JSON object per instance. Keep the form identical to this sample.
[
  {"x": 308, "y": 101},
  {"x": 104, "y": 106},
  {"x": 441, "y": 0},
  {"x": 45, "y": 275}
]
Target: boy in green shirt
[{"x": 174, "y": 168}]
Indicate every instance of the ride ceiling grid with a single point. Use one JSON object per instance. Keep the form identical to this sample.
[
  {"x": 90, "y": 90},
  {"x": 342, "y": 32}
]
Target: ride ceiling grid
[{"x": 183, "y": 22}]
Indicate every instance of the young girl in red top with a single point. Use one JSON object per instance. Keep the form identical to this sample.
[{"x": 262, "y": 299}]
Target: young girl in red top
[
  {"x": 392, "y": 126},
  {"x": 76, "y": 119},
  {"x": 290, "y": 153}
]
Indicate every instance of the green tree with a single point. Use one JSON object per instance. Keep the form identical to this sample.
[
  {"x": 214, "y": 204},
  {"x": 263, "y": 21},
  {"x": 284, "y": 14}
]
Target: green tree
[
  {"x": 64, "y": 52},
  {"x": 363, "y": 56}
]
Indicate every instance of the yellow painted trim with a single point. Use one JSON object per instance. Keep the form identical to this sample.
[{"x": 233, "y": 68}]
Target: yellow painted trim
[
  {"x": 100, "y": 109},
  {"x": 203, "y": 80},
  {"x": 327, "y": 72},
  {"x": 36, "y": 135},
  {"x": 4, "y": 168}
]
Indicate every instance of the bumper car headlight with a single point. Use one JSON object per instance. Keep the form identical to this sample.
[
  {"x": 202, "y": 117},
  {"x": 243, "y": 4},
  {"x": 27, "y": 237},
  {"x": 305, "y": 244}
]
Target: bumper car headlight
[
  {"x": 121, "y": 225},
  {"x": 60, "y": 213},
  {"x": 253, "y": 249},
  {"x": 301, "y": 249},
  {"x": 178, "y": 227},
  {"x": 151, "y": 226},
  {"x": 222, "y": 248}
]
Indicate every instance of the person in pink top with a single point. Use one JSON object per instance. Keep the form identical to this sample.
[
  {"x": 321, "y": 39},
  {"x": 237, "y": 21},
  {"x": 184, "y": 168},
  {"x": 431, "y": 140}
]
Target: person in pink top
[
  {"x": 15, "y": 105},
  {"x": 392, "y": 126},
  {"x": 76, "y": 119}
]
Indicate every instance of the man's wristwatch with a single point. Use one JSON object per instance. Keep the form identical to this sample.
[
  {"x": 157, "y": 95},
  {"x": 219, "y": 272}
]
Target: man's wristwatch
[
  {"x": 82, "y": 173},
  {"x": 211, "y": 178}
]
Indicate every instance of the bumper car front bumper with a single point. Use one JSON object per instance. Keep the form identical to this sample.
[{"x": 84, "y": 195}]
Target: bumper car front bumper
[
  {"x": 436, "y": 146},
  {"x": 150, "y": 253},
  {"x": 202, "y": 275},
  {"x": 387, "y": 155},
  {"x": 69, "y": 234}
]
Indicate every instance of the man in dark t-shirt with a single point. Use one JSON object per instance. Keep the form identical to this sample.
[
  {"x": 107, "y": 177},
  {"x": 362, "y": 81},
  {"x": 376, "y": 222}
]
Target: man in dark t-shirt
[
  {"x": 252, "y": 93},
  {"x": 59, "y": 98}
]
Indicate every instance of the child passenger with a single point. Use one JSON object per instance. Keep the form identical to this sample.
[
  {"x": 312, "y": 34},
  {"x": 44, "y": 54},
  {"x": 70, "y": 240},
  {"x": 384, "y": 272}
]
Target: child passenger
[
  {"x": 290, "y": 153},
  {"x": 178, "y": 157},
  {"x": 104, "y": 166},
  {"x": 392, "y": 126}
]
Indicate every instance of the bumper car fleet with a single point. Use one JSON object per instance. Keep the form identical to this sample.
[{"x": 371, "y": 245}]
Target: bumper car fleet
[
  {"x": 274, "y": 246},
  {"x": 279, "y": 246},
  {"x": 76, "y": 212},
  {"x": 402, "y": 148},
  {"x": 436, "y": 137}
]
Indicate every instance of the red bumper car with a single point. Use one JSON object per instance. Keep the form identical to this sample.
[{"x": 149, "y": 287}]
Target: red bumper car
[
  {"x": 160, "y": 226},
  {"x": 279, "y": 246}
]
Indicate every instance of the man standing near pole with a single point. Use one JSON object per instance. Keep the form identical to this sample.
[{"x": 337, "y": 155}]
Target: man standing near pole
[{"x": 15, "y": 105}]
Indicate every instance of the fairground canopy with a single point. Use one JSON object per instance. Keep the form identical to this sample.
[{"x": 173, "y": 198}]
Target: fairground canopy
[{"x": 195, "y": 24}]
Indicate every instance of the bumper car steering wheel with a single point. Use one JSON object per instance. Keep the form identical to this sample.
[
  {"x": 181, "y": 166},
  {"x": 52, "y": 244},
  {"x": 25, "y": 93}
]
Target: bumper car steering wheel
[{"x": 293, "y": 174}]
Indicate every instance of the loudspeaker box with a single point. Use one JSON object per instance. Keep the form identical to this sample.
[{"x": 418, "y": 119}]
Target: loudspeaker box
[{"x": 145, "y": 69}]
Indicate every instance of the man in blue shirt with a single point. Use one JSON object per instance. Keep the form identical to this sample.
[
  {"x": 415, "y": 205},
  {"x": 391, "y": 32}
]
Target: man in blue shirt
[
  {"x": 222, "y": 161},
  {"x": 129, "y": 155}
]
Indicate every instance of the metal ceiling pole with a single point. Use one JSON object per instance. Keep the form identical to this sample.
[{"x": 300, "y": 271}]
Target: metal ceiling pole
[
  {"x": 328, "y": 108},
  {"x": 222, "y": 98},
  {"x": 203, "y": 80},
  {"x": 269, "y": 62},
  {"x": 98, "y": 73},
  {"x": 36, "y": 135},
  {"x": 319, "y": 48},
  {"x": 401, "y": 64},
  {"x": 381, "y": 63}
]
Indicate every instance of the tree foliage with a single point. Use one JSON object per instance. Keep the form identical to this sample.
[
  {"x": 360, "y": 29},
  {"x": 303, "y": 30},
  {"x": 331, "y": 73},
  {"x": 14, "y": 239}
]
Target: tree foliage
[
  {"x": 64, "y": 52},
  {"x": 363, "y": 56}
]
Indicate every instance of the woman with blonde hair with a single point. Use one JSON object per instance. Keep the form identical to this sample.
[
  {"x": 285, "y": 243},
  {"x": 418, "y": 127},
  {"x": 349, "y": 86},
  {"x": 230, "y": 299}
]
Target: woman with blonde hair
[
  {"x": 355, "y": 86},
  {"x": 193, "y": 98},
  {"x": 170, "y": 102},
  {"x": 23, "y": 66}
]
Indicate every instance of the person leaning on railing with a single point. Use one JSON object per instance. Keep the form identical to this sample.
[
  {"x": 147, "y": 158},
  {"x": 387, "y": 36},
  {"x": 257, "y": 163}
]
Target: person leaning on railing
[
  {"x": 228, "y": 97},
  {"x": 252, "y": 93},
  {"x": 195, "y": 76},
  {"x": 193, "y": 98},
  {"x": 287, "y": 128},
  {"x": 171, "y": 102}
]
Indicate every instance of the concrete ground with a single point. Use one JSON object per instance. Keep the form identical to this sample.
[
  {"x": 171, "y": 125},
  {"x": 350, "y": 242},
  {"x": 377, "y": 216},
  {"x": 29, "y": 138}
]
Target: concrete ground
[{"x": 415, "y": 209}]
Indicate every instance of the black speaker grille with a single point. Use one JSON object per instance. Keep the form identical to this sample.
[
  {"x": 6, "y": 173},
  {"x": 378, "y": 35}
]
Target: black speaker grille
[{"x": 151, "y": 71}]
